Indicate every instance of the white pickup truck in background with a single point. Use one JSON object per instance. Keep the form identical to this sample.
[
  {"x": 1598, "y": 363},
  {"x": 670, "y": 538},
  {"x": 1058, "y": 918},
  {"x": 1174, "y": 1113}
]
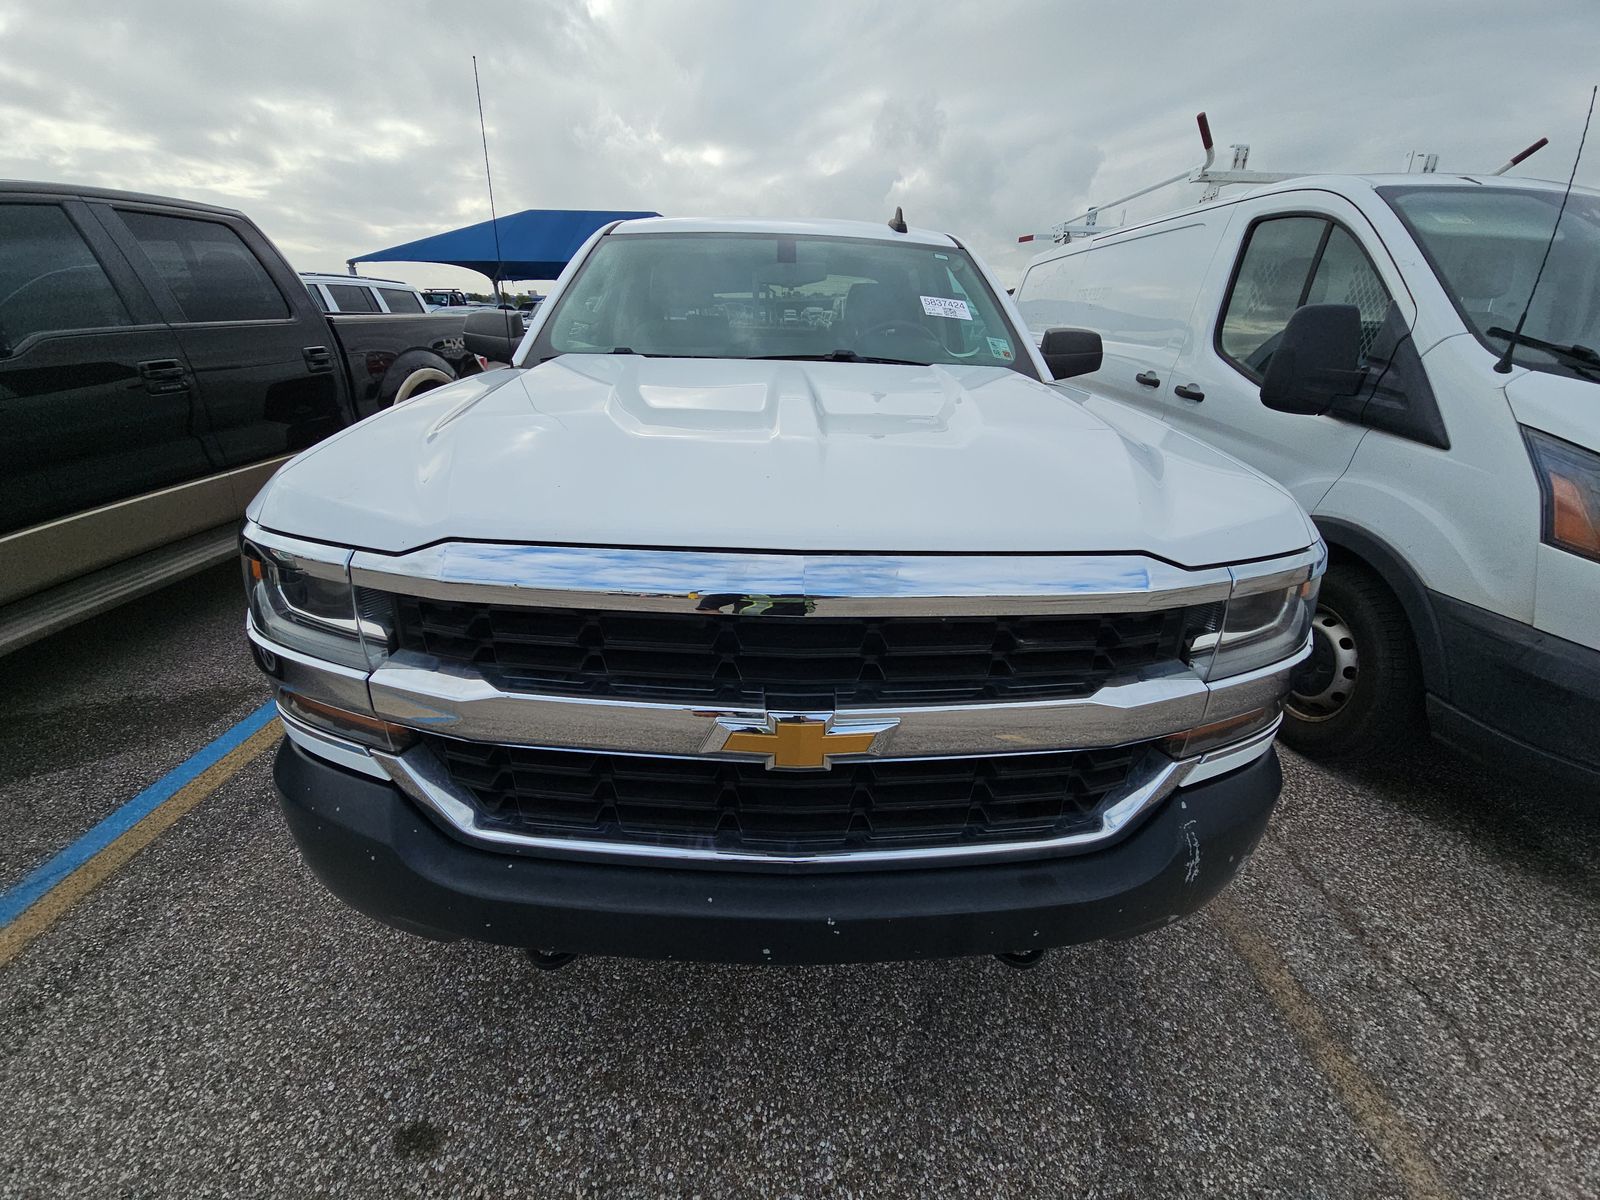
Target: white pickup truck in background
[{"x": 713, "y": 631}]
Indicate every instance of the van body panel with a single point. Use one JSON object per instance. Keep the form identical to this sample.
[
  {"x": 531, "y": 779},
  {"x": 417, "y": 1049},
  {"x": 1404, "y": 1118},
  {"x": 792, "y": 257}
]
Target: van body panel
[
  {"x": 1567, "y": 596},
  {"x": 1232, "y": 416},
  {"x": 1143, "y": 321},
  {"x": 1562, "y": 407},
  {"x": 1466, "y": 518}
]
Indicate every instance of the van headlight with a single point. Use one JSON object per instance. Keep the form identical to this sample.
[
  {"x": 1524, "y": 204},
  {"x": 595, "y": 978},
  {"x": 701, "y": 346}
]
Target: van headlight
[
  {"x": 1256, "y": 629},
  {"x": 1569, "y": 486},
  {"x": 310, "y": 607}
]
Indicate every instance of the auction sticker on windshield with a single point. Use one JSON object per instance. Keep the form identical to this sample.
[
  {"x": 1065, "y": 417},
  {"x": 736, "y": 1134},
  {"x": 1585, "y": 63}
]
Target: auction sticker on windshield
[
  {"x": 940, "y": 306},
  {"x": 1000, "y": 348}
]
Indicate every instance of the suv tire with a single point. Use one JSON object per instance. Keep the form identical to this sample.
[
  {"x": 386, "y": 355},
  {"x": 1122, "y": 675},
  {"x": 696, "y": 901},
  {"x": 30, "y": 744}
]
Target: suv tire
[{"x": 1359, "y": 695}]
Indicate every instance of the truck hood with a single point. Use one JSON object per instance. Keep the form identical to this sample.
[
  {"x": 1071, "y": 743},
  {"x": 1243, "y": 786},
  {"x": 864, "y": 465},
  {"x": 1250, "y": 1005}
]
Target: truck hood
[
  {"x": 1558, "y": 405},
  {"x": 752, "y": 455}
]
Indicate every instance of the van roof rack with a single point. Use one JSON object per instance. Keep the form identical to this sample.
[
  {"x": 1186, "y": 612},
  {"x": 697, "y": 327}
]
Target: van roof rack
[{"x": 1086, "y": 224}]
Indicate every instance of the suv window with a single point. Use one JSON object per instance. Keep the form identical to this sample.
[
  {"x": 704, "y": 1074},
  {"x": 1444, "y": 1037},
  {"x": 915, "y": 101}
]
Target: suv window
[
  {"x": 1287, "y": 262},
  {"x": 400, "y": 302},
  {"x": 212, "y": 273},
  {"x": 352, "y": 297},
  {"x": 49, "y": 278}
]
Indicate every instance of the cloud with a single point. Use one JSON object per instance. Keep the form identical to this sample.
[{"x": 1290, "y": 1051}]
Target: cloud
[{"x": 346, "y": 128}]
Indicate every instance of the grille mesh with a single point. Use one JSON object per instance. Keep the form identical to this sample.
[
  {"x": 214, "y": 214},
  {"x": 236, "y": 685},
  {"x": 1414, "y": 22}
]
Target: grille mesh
[
  {"x": 827, "y": 662},
  {"x": 725, "y": 806}
]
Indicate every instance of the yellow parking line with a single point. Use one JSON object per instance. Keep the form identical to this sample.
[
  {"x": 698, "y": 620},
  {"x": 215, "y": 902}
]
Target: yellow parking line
[
  {"x": 1385, "y": 1127},
  {"x": 50, "y": 907}
]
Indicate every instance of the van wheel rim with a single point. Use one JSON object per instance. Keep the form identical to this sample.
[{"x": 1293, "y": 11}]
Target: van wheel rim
[{"x": 1323, "y": 687}]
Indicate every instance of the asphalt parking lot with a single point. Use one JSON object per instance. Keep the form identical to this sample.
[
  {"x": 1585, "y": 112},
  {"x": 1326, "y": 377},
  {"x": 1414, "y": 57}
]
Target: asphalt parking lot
[{"x": 1398, "y": 997}]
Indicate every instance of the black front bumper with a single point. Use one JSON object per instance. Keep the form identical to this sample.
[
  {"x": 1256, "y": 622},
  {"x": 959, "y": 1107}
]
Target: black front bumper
[
  {"x": 1519, "y": 698},
  {"x": 381, "y": 855}
]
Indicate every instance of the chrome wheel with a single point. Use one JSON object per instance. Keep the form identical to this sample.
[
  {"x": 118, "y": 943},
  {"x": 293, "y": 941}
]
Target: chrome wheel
[{"x": 1324, "y": 685}]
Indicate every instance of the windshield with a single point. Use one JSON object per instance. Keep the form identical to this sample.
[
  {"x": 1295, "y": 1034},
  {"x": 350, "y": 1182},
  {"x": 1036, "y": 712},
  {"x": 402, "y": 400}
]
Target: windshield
[
  {"x": 691, "y": 295},
  {"x": 1485, "y": 243}
]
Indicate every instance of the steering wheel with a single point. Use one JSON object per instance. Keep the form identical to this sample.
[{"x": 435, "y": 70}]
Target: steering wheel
[{"x": 900, "y": 324}]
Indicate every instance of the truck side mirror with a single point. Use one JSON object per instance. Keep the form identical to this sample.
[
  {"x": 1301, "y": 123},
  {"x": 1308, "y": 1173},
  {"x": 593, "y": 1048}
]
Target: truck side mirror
[
  {"x": 1317, "y": 360},
  {"x": 493, "y": 333},
  {"x": 1069, "y": 352}
]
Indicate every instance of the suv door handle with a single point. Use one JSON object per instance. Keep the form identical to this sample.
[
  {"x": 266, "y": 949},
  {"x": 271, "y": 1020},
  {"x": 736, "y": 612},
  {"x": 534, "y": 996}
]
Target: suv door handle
[
  {"x": 1189, "y": 392},
  {"x": 318, "y": 358},
  {"x": 163, "y": 376},
  {"x": 1148, "y": 378}
]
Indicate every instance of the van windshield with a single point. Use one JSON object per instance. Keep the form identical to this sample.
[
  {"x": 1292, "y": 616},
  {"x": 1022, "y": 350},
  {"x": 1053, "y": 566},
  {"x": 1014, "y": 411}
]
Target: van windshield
[
  {"x": 692, "y": 295},
  {"x": 1485, "y": 243}
]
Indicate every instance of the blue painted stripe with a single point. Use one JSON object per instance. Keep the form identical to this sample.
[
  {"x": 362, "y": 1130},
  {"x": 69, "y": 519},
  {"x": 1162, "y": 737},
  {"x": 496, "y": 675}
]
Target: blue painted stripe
[{"x": 19, "y": 898}]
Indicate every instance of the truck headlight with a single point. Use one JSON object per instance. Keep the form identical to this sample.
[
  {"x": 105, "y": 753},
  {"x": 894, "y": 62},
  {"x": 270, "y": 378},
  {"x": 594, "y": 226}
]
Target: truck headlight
[
  {"x": 305, "y": 607},
  {"x": 1256, "y": 630},
  {"x": 1569, "y": 485}
]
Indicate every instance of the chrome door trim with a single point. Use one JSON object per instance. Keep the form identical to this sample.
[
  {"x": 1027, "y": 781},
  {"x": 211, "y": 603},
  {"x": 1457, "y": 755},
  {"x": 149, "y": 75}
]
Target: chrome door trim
[
  {"x": 612, "y": 579},
  {"x": 419, "y": 774}
]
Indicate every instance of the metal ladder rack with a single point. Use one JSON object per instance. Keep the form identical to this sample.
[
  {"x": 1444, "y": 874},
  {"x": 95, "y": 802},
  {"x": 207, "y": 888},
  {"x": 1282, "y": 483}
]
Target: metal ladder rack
[{"x": 1086, "y": 223}]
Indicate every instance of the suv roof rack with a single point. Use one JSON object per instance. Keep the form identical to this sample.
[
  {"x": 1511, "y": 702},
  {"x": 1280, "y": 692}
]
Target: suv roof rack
[{"x": 1086, "y": 223}]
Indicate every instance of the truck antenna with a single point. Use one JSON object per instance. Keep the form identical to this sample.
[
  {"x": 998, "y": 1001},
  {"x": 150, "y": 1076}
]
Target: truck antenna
[
  {"x": 898, "y": 221},
  {"x": 494, "y": 219},
  {"x": 1504, "y": 365}
]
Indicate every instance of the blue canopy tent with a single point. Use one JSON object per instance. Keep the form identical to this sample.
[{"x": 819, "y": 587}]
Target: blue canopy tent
[{"x": 533, "y": 244}]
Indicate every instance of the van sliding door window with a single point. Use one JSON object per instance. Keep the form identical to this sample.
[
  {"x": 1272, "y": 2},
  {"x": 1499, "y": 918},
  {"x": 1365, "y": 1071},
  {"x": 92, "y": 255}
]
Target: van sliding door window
[
  {"x": 49, "y": 278},
  {"x": 211, "y": 272},
  {"x": 1288, "y": 262}
]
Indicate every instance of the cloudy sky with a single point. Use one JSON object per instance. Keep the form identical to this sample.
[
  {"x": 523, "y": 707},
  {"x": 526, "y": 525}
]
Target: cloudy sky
[{"x": 346, "y": 127}]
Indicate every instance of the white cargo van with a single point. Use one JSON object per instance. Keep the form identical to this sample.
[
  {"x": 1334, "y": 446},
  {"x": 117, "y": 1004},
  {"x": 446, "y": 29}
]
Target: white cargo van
[{"x": 1346, "y": 335}]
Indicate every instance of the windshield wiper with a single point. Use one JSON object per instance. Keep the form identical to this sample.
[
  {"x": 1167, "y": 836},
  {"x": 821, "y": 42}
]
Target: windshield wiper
[
  {"x": 1582, "y": 354},
  {"x": 838, "y": 356}
]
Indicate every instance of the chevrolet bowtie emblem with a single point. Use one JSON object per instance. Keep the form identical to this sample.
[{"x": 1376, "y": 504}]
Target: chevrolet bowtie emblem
[{"x": 798, "y": 741}]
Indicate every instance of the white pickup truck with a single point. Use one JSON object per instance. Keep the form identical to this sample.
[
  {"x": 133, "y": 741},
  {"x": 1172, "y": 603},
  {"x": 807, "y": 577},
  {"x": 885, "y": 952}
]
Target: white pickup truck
[{"x": 775, "y": 607}]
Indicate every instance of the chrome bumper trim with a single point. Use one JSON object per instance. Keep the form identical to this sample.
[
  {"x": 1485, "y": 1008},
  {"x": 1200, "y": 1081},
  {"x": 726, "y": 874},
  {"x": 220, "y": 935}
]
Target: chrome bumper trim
[
  {"x": 335, "y": 749},
  {"x": 455, "y": 701},
  {"x": 593, "y": 578},
  {"x": 1230, "y": 758},
  {"x": 420, "y": 775},
  {"x": 314, "y": 678}
]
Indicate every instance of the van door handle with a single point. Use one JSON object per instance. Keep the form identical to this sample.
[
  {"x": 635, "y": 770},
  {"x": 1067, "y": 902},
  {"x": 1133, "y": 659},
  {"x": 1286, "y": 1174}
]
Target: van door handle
[
  {"x": 1189, "y": 392},
  {"x": 1148, "y": 378},
  {"x": 318, "y": 358}
]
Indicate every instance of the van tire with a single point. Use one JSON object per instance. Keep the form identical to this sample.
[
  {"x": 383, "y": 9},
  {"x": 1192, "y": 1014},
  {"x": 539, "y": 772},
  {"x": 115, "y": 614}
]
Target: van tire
[
  {"x": 1361, "y": 630},
  {"x": 413, "y": 373}
]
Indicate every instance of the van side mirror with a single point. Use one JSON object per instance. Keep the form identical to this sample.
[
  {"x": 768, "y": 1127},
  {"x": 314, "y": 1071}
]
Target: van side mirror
[
  {"x": 1069, "y": 352},
  {"x": 493, "y": 333},
  {"x": 1317, "y": 360}
]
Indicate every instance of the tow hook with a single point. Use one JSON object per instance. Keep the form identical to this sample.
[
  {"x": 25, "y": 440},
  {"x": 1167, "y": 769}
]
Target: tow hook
[
  {"x": 550, "y": 960},
  {"x": 1021, "y": 960}
]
